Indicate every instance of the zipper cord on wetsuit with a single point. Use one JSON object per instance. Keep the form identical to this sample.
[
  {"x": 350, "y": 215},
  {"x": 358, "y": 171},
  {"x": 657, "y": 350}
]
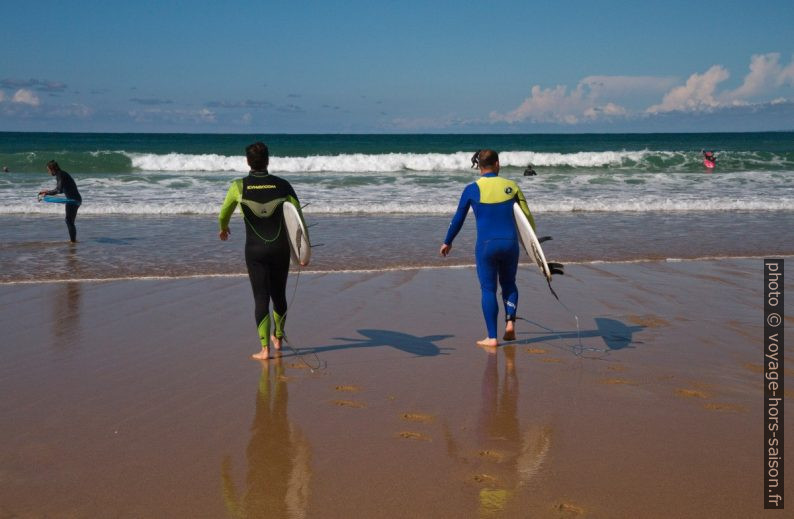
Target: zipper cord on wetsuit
[{"x": 278, "y": 233}]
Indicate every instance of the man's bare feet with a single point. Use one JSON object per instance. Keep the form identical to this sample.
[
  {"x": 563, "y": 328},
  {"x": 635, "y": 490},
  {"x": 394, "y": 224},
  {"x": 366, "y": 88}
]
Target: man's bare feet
[
  {"x": 510, "y": 331},
  {"x": 262, "y": 355},
  {"x": 276, "y": 342},
  {"x": 488, "y": 343}
]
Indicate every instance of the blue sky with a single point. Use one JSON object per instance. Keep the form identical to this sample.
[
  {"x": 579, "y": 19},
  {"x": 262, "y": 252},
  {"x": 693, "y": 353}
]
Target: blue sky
[{"x": 372, "y": 67}]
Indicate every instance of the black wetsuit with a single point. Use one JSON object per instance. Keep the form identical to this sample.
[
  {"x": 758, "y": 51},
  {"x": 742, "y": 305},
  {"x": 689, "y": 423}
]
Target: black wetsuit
[
  {"x": 267, "y": 250},
  {"x": 67, "y": 186}
]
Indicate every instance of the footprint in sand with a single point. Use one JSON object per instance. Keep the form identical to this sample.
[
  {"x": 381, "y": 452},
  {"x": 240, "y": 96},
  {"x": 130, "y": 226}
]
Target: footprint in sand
[
  {"x": 348, "y": 388},
  {"x": 350, "y": 403},
  {"x": 411, "y": 435},
  {"x": 647, "y": 320},
  {"x": 716, "y": 406},
  {"x": 691, "y": 393},
  {"x": 486, "y": 479},
  {"x": 552, "y": 360},
  {"x": 491, "y": 455},
  {"x": 617, "y": 368},
  {"x": 536, "y": 351},
  {"x": 417, "y": 417},
  {"x": 618, "y": 382},
  {"x": 297, "y": 365},
  {"x": 569, "y": 509}
]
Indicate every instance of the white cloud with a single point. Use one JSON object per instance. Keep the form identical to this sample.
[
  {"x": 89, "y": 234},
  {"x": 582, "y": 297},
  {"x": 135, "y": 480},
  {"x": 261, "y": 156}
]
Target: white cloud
[
  {"x": 72, "y": 110},
  {"x": 610, "y": 87},
  {"x": 609, "y": 110},
  {"x": 599, "y": 97},
  {"x": 26, "y": 97},
  {"x": 557, "y": 105},
  {"x": 696, "y": 94},
  {"x": 765, "y": 76},
  {"x": 423, "y": 123},
  {"x": 154, "y": 115},
  {"x": 205, "y": 114}
]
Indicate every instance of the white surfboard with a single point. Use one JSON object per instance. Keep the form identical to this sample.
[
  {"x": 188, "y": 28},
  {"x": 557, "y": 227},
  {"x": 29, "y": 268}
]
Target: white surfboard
[
  {"x": 530, "y": 242},
  {"x": 299, "y": 246}
]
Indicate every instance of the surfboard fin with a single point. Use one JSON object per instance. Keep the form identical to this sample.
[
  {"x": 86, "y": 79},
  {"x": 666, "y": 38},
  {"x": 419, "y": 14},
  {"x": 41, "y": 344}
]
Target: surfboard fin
[
  {"x": 544, "y": 238},
  {"x": 557, "y": 268}
]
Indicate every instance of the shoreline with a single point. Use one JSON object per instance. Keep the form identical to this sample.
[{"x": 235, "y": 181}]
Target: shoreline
[
  {"x": 168, "y": 247},
  {"x": 308, "y": 272}
]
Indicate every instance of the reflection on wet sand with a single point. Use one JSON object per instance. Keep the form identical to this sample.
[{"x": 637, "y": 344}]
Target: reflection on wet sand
[
  {"x": 66, "y": 306},
  {"x": 506, "y": 457},
  {"x": 278, "y": 455}
]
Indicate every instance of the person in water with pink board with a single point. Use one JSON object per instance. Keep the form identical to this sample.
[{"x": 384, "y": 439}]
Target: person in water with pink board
[{"x": 709, "y": 159}]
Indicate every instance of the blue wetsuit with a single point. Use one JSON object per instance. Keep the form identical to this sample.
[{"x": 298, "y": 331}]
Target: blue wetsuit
[{"x": 496, "y": 253}]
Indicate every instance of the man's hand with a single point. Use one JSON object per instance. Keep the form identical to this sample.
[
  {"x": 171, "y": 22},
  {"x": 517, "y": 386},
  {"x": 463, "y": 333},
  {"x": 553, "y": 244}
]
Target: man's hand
[
  {"x": 445, "y": 249},
  {"x": 224, "y": 234}
]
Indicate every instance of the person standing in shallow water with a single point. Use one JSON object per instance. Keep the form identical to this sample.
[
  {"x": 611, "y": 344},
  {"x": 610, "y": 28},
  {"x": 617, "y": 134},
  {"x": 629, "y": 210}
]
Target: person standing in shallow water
[
  {"x": 267, "y": 249},
  {"x": 66, "y": 185},
  {"x": 496, "y": 253}
]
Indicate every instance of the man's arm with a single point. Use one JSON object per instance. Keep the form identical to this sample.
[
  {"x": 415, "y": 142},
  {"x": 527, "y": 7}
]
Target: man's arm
[
  {"x": 58, "y": 188},
  {"x": 460, "y": 216},
  {"x": 227, "y": 209}
]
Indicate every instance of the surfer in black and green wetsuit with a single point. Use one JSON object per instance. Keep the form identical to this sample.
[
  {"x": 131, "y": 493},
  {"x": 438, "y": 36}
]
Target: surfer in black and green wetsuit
[
  {"x": 66, "y": 185},
  {"x": 267, "y": 250}
]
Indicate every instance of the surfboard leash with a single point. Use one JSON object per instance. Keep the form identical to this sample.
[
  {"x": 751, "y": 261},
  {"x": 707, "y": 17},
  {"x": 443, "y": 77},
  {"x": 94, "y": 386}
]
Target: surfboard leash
[{"x": 320, "y": 363}]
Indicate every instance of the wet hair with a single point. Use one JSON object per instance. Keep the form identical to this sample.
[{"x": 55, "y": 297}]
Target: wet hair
[
  {"x": 258, "y": 156},
  {"x": 53, "y": 165},
  {"x": 487, "y": 159}
]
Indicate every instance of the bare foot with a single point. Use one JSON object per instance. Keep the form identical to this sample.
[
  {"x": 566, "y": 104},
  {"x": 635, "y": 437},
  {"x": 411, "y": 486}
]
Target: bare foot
[
  {"x": 510, "y": 331},
  {"x": 276, "y": 342},
  {"x": 262, "y": 355},
  {"x": 488, "y": 343}
]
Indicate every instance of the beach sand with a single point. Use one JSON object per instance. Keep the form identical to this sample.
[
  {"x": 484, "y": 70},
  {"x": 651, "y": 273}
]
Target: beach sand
[{"x": 138, "y": 398}]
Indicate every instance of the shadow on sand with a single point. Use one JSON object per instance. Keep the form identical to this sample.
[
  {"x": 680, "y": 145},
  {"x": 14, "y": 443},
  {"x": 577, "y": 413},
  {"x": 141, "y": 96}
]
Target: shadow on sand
[
  {"x": 411, "y": 344},
  {"x": 615, "y": 334}
]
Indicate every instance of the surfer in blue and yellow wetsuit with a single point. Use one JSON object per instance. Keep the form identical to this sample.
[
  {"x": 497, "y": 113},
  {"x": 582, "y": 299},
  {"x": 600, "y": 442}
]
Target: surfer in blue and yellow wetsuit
[
  {"x": 492, "y": 198},
  {"x": 267, "y": 250}
]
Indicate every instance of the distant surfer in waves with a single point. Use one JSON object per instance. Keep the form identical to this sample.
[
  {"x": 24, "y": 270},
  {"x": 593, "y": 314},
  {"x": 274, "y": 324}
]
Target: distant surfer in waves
[
  {"x": 709, "y": 159},
  {"x": 492, "y": 198},
  {"x": 267, "y": 250},
  {"x": 529, "y": 171},
  {"x": 65, "y": 184}
]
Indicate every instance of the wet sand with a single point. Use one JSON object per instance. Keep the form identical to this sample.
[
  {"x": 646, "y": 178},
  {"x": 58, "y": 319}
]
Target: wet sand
[{"x": 138, "y": 399}]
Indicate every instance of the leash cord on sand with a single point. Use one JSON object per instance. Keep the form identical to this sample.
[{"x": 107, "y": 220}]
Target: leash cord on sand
[
  {"x": 320, "y": 364},
  {"x": 579, "y": 349}
]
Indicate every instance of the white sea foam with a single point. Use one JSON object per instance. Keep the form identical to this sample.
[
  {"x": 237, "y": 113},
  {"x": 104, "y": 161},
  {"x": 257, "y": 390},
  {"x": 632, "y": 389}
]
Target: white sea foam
[
  {"x": 378, "y": 163},
  {"x": 186, "y": 162},
  {"x": 375, "y": 207},
  {"x": 418, "y": 192}
]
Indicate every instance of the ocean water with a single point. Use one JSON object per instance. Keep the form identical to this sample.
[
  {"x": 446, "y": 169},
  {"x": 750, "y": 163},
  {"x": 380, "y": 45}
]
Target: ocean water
[{"x": 384, "y": 201}]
